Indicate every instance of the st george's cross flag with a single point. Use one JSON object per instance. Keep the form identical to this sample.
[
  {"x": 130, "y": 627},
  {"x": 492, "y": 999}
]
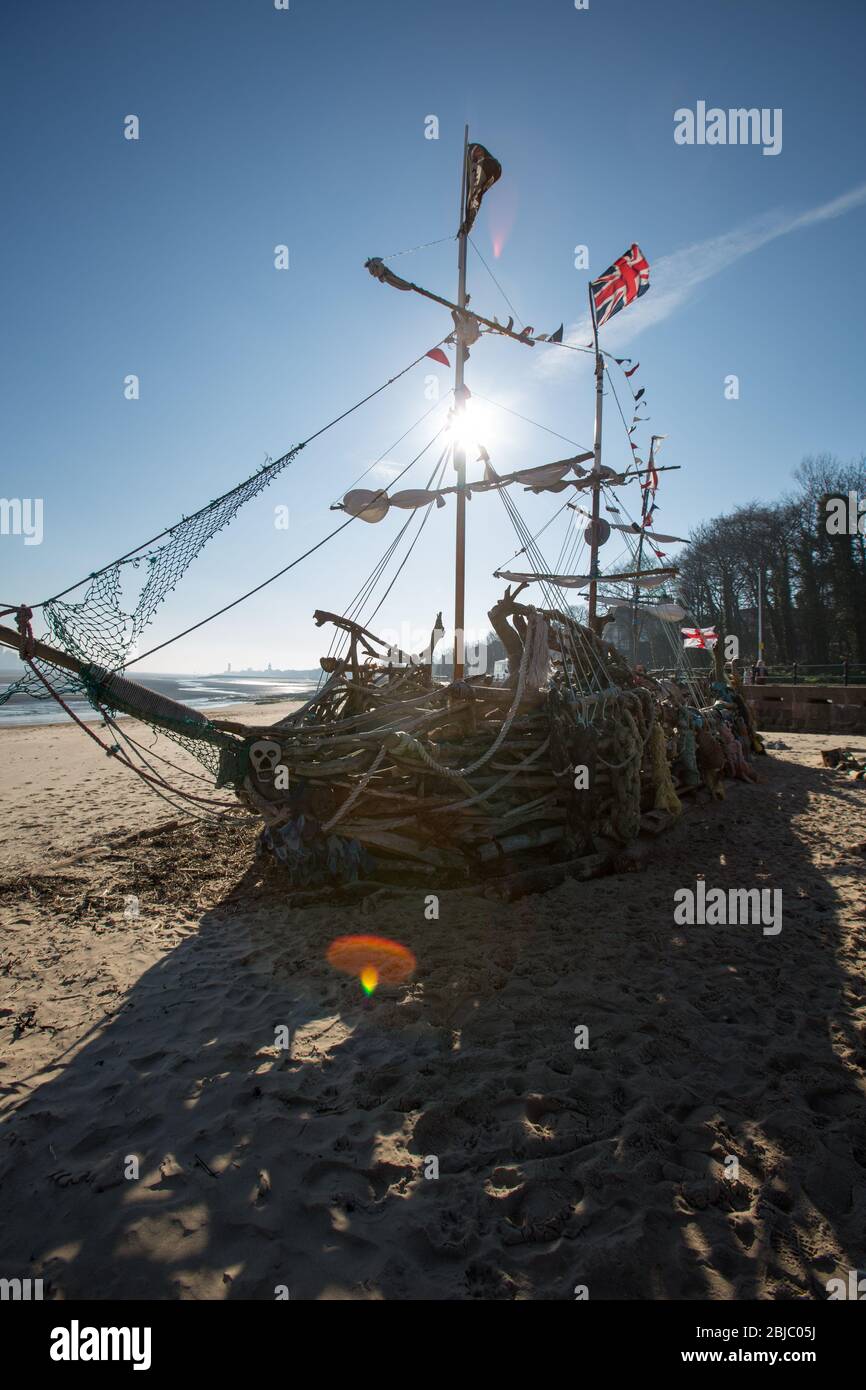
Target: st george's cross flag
[
  {"x": 624, "y": 281},
  {"x": 703, "y": 637}
]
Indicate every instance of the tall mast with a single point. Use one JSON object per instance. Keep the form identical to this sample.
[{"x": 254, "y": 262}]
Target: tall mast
[
  {"x": 635, "y": 626},
  {"x": 596, "y": 466},
  {"x": 459, "y": 447}
]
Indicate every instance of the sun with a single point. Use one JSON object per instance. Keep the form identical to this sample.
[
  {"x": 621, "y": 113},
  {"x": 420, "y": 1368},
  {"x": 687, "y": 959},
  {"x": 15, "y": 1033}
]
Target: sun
[{"x": 473, "y": 429}]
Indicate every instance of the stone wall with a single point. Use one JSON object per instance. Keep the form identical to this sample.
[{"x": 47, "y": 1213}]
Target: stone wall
[{"x": 809, "y": 709}]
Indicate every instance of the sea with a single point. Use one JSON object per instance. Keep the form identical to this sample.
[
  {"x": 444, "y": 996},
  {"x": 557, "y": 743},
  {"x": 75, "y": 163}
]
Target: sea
[{"x": 201, "y": 692}]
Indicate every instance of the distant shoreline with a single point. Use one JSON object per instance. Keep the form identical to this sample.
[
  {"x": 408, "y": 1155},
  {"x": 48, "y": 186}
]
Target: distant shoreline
[{"x": 204, "y": 693}]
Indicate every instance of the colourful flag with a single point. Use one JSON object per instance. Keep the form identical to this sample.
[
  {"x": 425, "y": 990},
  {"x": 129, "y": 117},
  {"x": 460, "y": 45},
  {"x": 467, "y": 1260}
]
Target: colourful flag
[
  {"x": 624, "y": 281},
  {"x": 703, "y": 637},
  {"x": 438, "y": 356}
]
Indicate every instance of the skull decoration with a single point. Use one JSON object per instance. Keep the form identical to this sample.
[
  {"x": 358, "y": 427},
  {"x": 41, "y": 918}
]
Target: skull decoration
[{"x": 265, "y": 753}]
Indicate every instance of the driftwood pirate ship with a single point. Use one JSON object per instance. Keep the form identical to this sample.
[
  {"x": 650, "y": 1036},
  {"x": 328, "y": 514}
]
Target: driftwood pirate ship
[{"x": 544, "y": 768}]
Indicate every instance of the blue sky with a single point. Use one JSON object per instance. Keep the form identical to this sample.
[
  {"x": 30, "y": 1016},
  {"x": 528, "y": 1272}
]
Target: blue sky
[{"x": 260, "y": 127}]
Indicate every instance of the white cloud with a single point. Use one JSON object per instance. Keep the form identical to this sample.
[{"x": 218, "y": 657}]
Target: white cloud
[
  {"x": 385, "y": 470},
  {"x": 675, "y": 278}
]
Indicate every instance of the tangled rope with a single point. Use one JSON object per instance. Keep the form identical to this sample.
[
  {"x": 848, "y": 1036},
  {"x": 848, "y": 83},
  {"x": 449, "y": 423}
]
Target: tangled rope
[
  {"x": 536, "y": 635},
  {"x": 353, "y": 797}
]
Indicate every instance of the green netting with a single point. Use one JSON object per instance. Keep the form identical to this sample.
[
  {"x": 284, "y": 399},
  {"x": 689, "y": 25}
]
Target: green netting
[
  {"x": 97, "y": 628},
  {"x": 103, "y": 626}
]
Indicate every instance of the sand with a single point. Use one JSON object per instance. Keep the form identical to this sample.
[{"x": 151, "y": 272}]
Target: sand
[
  {"x": 709, "y": 1143},
  {"x": 59, "y": 790}
]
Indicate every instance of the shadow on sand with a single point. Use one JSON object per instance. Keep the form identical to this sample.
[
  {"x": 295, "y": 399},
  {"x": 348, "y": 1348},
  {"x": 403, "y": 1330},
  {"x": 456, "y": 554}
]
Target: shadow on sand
[{"x": 608, "y": 1167}]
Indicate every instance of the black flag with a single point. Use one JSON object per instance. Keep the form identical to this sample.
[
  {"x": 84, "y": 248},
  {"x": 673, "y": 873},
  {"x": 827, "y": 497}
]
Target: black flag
[{"x": 484, "y": 170}]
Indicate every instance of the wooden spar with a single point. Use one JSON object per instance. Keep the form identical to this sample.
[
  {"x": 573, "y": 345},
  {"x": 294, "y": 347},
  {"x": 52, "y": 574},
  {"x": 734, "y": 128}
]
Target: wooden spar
[
  {"x": 170, "y": 709},
  {"x": 10, "y": 638},
  {"x": 459, "y": 444},
  {"x": 608, "y": 578},
  {"x": 639, "y": 574},
  {"x": 596, "y": 468},
  {"x": 377, "y": 268}
]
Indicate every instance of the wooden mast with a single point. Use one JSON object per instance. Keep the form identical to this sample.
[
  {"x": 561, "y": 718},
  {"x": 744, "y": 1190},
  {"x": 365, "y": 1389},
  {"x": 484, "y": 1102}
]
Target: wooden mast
[
  {"x": 596, "y": 468},
  {"x": 635, "y": 627},
  {"x": 459, "y": 454}
]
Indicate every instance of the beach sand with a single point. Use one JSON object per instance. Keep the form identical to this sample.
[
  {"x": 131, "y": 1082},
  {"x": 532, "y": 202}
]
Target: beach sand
[
  {"x": 60, "y": 791},
  {"x": 709, "y": 1143}
]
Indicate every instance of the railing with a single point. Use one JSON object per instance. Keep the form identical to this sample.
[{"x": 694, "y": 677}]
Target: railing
[
  {"x": 794, "y": 673},
  {"x": 816, "y": 673}
]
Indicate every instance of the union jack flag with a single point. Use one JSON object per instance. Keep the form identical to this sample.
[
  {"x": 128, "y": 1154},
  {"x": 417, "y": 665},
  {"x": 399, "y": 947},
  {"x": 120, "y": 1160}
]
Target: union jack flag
[
  {"x": 625, "y": 280},
  {"x": 703, "y": 637}
]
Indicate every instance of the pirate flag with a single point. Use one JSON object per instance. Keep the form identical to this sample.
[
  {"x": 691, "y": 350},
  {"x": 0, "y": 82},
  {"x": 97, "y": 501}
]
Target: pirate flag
[{"x": 484, "y": 170}]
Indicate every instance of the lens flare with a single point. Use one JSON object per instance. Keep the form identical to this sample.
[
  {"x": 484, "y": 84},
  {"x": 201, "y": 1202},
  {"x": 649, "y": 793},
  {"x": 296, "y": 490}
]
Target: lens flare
[
  {"x": 502, "y": 214},
  {"x": 373, "y": 959},
  {"x": 473, "y": 428}
]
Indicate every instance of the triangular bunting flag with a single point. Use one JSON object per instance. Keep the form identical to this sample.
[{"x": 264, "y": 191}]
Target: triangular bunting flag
[
  {"x": 438, "y": 356},
  {"x": 634, "y": 368}
]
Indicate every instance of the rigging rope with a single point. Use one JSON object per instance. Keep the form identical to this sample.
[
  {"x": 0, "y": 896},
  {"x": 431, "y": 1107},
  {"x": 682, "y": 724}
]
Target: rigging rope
[
  {"x": 265, "y": 582},
  {"x": 496, "y": 282},
  {"x": 526, "y": 419}
]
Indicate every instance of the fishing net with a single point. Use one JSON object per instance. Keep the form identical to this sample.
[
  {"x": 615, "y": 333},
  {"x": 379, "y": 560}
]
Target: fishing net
[{"x": 103, "y": 627}]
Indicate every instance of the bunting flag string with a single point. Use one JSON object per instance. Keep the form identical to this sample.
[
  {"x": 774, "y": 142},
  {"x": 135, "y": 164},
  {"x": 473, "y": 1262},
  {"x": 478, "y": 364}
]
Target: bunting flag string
[{"x": 555, "y": 337}]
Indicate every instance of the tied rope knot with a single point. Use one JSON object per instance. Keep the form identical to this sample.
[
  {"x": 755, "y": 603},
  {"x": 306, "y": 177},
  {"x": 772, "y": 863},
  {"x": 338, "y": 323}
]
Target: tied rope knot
[{"x": 24, "y": 622}]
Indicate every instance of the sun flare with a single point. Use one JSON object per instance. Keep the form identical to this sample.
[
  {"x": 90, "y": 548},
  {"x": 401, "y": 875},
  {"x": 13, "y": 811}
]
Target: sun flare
[{"x": 473, "y": 429}]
